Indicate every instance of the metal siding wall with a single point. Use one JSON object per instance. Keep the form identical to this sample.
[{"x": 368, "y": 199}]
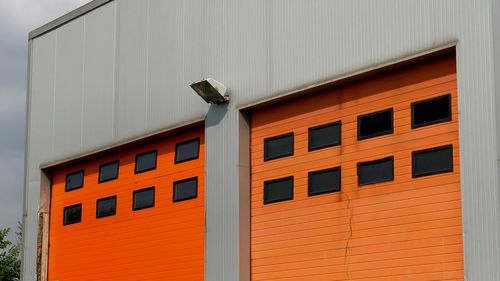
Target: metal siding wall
[
  {"x": 132, "y": 57},
  {"x": 480, "y": 196},
  {"x": 39, "y": 146},
  {"x": 259, "y": 49},
  {"x": 67, "y": 136},
  {"x": 99, "y": 77}
]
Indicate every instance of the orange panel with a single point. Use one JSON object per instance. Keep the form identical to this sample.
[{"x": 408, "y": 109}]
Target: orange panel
[
  {"x": 165, "y": 242},
  {"x": 404, "y": 229}
]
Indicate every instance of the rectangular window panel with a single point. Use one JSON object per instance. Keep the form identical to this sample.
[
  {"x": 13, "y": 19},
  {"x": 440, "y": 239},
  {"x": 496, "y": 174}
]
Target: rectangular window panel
[
  {"x": 375, "y": 124},
  {"x": 376, "y": 171},
  {"x": 74, "y": 180},
  {"x": 432, "y": 161},
  {"x": 185, "y": 189},
  {"x": 72, "y": 214},
  {"x": 186, "y": 151},
  {"x": 324, "y": 136},
  {"x": 278, "y": 190},
  {"x": 106, "y": 207},
  {"x": 431, "y": 111},
  {"x": 108, "y": 171},
  {"x": 144, "y": 198},
  {"x": 324, "y": 181},
  {"x": 145, "y": 161},
  {"x": 277, "y": 147}
]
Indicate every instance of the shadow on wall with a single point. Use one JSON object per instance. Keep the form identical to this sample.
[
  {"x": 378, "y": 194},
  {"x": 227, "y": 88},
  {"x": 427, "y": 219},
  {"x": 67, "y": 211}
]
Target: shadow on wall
[{"x": 215, "y": 114}]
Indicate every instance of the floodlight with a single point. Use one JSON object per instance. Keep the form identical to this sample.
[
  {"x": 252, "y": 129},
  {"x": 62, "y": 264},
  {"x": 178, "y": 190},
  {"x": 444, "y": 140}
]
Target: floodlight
[{"x": 211, "y": 91}]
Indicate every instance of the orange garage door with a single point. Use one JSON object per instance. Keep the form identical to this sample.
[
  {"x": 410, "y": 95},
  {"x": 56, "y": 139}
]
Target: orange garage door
[
  {"x": 360, "y": 182},
  {"x": 133, "y": 215}
]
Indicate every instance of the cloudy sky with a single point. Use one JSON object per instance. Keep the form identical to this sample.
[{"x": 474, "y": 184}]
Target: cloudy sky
[{"x": 17, "y": 18}]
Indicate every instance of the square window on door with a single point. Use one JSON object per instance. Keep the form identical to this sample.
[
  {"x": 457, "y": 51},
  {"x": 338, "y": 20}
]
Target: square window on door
[
  {"x": 375, "y": 124},
  {"x": 376, "y": 171},
  {"x": 145, "y": 161},
  {"x": 74, "y": 180},
  {"x": 324, "y": 136},
  {"x": 106, "y": 207},
  {"x": 432, "y": 161},
  {"x": 72, "y": 214},
  {"x": 108, "y": 171},
  {"x": 431, "y": 111},
  {"x": 186, "y": 151},
  {"x": 278, "y": 190},
  {"x": 185, "y": 189},
  {"x": 278, "y": 147},
  {"x": 324, "y": 181},
  {"x": 144, "y": 198}
]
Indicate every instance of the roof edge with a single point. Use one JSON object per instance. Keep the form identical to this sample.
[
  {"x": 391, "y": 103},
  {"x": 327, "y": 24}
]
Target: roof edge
[{"x": 67, "y": 18}]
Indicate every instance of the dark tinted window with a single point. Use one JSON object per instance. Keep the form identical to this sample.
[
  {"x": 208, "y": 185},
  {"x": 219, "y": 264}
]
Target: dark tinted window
[
  {"x": 186, "y": 151},
  {"x": 431, "y": 111},
  {"x": 106, "y": 207},
  {"x": 74, "y": 180},
  {"x": 145, "y": 162},
  {"x": 108, "y": 171},
  {"x": 144, "y": 198},
  {"x": 376, "y": 171},
  {"x": 185, "y": 189},
  {"x": 72, "y": 214},
  {"x": 375, "y": 124},
  {"x": 324, "y": 181},
  {"x": 277, "y": 147},
  {"x": 324, "y": 136},
  {"x": 278, "y": 190},
  {"x": 433, "y": 161}
]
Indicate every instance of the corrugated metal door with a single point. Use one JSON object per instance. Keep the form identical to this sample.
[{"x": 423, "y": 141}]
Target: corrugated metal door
[
  {"x": 137, "y": 214},
  {"x": 361, "y": 181}
]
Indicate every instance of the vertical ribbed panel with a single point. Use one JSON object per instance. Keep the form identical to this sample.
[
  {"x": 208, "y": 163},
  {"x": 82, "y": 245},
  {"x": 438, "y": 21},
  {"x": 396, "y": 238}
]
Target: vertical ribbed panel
[
  {"x": 132, "y": 55},
  {"x": 99, "y": 74},
  {"x": 70, "y": 63},
  {"x": 40, "y": 130},
  {"x": 480, "y": 192}
]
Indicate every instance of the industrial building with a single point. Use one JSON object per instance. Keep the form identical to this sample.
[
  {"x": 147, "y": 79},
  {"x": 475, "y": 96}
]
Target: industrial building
[{"x": 217, "y": 140}]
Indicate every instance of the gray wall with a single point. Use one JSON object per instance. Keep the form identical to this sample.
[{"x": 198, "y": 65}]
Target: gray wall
[{"x": 122, "y": 70}]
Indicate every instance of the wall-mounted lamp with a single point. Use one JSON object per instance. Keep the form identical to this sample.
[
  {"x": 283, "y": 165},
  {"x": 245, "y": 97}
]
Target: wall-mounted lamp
[{"x": 211, "y": 91}]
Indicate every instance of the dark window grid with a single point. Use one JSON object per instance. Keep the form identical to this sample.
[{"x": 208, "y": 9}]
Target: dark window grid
[
  {"x": 414, "y": 175},
  {"x": 72, "y": 174},
  {"x": 183, "y": 181},
  {"x": 266, "y": 183},
  {"x": 65, "y": 222},
  {"x": 381, "y": 133},
  {"x": 105, "y": 199},
  {"x": 267, "y": 158},
  {"x": 313, "y": 193},
  {"x": 391, "y": 158},
  {"x": 145, "y": 153},
  {"x": 339, "y": 123},
  {"x": 441, "y": 120},
  {"x": 117, "y": 162},
  {"x": 147, "y": 206},
  {"x": 187, "y": 159}
]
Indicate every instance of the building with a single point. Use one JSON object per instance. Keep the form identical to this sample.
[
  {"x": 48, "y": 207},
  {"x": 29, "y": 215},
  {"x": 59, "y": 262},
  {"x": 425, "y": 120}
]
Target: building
[{"x": 361, "y": 142}]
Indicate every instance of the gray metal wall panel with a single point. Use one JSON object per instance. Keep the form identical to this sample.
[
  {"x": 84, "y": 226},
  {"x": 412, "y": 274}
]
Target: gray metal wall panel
[
  {"x": 479, "y": 178},
  {"x": 99, "y": 77},
  {"x": 39, "y": 146},
  {"x": 69, "y": 86},
  {"x": 261, "y": 49},
  {"x": 174, "y": 61},
  {"x": 132, "y": 58}
]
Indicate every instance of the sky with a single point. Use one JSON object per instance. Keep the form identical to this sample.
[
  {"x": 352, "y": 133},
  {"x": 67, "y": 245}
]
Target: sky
[{"x": 17, "y": 19}]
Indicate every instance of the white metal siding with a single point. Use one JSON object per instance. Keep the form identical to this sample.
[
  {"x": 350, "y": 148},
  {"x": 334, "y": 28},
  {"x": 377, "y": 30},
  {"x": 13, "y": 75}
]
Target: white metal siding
[{"x": 123, "y": 70}]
